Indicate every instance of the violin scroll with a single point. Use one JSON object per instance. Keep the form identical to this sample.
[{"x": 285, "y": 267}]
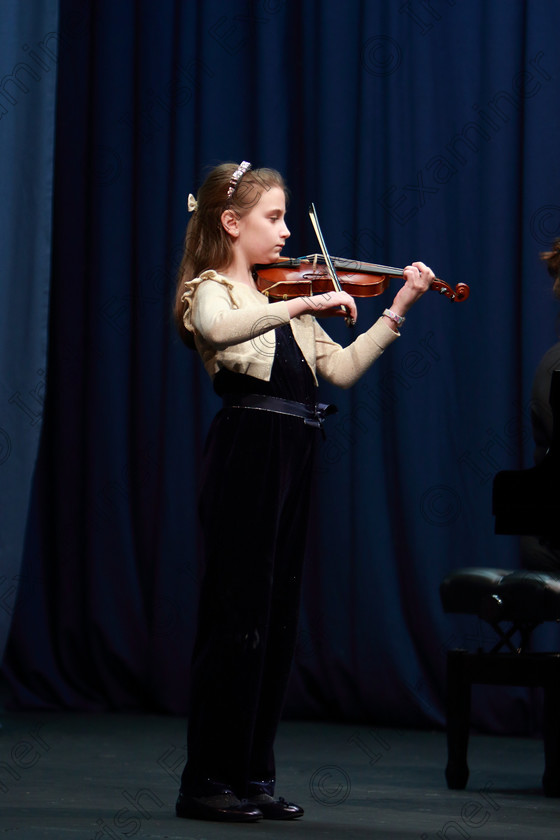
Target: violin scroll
[{"x": 458, "y": 294}]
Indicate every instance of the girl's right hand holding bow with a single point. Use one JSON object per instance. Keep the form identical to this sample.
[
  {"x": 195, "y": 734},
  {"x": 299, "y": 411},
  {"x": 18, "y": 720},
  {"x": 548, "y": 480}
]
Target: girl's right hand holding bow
[{"x": 328, "y": 305}]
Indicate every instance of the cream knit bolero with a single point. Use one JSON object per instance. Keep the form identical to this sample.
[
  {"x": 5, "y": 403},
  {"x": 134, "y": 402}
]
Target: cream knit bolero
[{"x": 234, "y": 327}]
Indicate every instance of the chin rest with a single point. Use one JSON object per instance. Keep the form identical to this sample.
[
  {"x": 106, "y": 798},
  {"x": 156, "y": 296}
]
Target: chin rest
[{"x": 514, "y": 603}]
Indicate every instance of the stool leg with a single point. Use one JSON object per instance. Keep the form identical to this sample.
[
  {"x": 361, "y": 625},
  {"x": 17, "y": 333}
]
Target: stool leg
[
  {"x": 458, "y": 719},
  {"x": 551, "y": 725}
]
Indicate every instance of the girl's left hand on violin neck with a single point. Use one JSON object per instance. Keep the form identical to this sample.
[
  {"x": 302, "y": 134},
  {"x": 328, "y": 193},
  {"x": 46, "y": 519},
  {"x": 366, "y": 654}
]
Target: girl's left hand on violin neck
[{"x": 418, "y": 279}]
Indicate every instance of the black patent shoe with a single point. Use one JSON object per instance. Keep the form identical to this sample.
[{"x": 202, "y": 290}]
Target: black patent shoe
[
  {"x": 224, "y": 807},
  {"x": 276, "y": 809}
]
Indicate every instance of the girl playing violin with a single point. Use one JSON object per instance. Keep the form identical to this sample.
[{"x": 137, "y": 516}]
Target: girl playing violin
[{"x": 263, "y": 359}]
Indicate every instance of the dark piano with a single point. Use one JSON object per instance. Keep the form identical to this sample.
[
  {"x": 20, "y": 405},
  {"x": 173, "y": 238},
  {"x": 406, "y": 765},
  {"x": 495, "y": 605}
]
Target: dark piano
[
  {"x": 524, "y": 502},
  {"x": 527, "y": 502}
]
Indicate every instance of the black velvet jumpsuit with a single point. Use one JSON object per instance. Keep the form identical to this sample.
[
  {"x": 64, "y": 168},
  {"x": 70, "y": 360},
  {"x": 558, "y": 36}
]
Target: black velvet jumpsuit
[{"x": 254, "y": 508}]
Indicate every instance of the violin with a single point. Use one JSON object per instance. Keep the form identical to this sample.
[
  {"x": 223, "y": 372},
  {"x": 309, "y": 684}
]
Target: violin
[{"x": 303, "y": 276}]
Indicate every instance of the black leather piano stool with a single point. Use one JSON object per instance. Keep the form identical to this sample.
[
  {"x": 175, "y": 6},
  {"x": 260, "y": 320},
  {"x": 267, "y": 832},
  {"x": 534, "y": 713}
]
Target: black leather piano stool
[{"x": 513, "y": 603}]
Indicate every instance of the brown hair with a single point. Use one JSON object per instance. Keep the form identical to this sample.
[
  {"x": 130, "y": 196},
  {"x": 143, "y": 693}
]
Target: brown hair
[
  {"x": 207, "y": 243},
  {"x": 552, "y": 260}
]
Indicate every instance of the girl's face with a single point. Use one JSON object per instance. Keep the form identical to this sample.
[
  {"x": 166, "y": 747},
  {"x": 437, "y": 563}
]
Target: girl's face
[{"x": 263, "y": 231}]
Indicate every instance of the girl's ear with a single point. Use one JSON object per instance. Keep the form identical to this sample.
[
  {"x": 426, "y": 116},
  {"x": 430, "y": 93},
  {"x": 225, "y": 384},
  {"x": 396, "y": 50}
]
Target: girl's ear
[{"x": 230, "y": 221}]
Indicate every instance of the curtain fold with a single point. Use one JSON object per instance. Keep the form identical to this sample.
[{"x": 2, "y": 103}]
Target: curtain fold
[
  {"x": 28, "y": 69},
  {"x": 420, "y": 131}
]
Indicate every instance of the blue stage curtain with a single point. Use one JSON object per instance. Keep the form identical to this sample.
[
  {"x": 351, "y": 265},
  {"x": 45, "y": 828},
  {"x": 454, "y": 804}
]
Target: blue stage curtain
[
  {"x": 420, "y": 131},
  {"x": 28, "y": 69}
]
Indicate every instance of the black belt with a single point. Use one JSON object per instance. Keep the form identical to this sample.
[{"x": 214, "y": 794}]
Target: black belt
[{"x": 312, "y": 415}]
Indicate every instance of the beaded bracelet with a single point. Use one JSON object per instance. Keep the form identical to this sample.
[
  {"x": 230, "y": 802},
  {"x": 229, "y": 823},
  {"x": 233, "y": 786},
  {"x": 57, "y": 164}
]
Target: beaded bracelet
[{"x": 398, "y": 319}]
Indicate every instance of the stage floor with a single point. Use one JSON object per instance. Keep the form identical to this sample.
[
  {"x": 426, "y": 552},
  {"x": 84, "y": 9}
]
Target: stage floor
[{"x": 116, "y": 776}]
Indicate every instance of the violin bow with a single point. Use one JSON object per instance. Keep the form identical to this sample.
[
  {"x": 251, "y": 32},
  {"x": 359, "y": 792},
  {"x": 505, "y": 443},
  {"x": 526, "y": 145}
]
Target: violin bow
[
  {"x": 328, "y": 262},
  {"x": 460, "y": 293}
]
